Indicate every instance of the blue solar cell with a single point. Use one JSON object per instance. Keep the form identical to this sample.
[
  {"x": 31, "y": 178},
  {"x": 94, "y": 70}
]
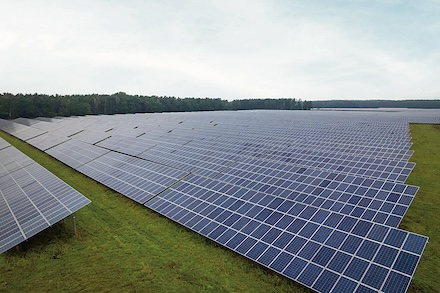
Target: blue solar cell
[
  {"x": 310, "y": 274},
  {"x": 396, "y": 283},
  {"x": 281, "y": 261},
  {"x": 268, "y": 256},
  {"x": 354, "y": 199},
  {"x": 233, "y": 218},
  {"x": 378, "y": 233},
  {"x": 294, "y": 268},
  {"x": 217, "y": 232},
  {"x": 382, "y": 195},
  {"x": 375, "y": 204},
  {"x": 406, "y": 263},
  {"x": 250, "y": 226},
  {"x": 236, "y": 240},
  {"x": 405, "y": 200},
  {"x": 295, "y": 245},
  {"x": 415, "y": 243},
  {"x": 362, "y": 228},
  {"x": 285, "y": 221},
  {"x": 339, "y": 262},
  {"x": 324, "y": 255},
  {"x": 393, "y": 221},
  {"x": 273, "y": 218},
  {"x": 357, "y": 212},
  {"x": 333, "y": 220},
  {"x": 411, "y": 190},
  {"x": 308, "y": 199},
  {"x": 363, "y": 289},
  {"x": 375, "y": 276},
  {"x": 325, "y": 282},
  {"x": 308, "y": 230},
  {"x": 321, "y": 234},
  {"x": 368, "y": 249},
  {"x": 283, "y": 240},
  {"x": 264, "y": 214},
  {"x": 296, "y": 225},
  {"x": 386, "y": 207},
  {"x": 395, "y": 238},
  {"x": 297, "y": 209},
  {"x": 356, "y": 268},
  {"x": 385, "y": 256},
  {"x": 254, "y": 211},
  {"x": 241, "y": 223},
  {"x": 246, "y": 245},
  {"x": 347, "y": 209},
  {"x": 276, "y": 203},
  {"x": 393, "y": 197},
  {"x": 226, "y": 236},
  {"x": 351, "y": 244},
  {"x": 336, "y": 238},
  {"x": 223, "y": 216},
  {"x": 209, "y": 228},
  {"x": 371, "y": 193},
  {"x": 388, "y": 186},
  {"x": 286, "y": 206},
  {"x": 257, "y": 250},
  {"x": 245, "y": 208},
  {"x": 345, "y": 285},
  {"x": 309, "y": 250},
  {"x": 347, "y": 224},
  {"x": 271, "y": 235}
]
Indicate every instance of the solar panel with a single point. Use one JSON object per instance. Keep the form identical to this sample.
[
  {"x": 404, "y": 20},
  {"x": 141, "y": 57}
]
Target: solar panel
[
  {"x": 12, "y": 127},
  {"x": 126, "y": 145},
  {"x": 47, "y": 140},
  {"x": 3, "y": 144},
  {"x": 31, "y": 198},
  {"x": 91, "y": 137},
  {"x": 137, "y": 179},
  {"x": 319, "y": 249},
  {"x": 315, "y": 196},
  {"x": 76, "y": 153},
  {"x": 373, "y": 200}
]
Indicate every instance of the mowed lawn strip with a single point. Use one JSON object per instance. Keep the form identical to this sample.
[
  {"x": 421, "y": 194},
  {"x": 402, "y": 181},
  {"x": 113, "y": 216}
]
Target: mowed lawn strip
[
  {"x": 423, "y": 216},
  {"x": 122, "y": 246}
]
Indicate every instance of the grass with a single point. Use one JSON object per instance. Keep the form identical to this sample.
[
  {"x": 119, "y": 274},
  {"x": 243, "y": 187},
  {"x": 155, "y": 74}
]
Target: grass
[
  {"x": 423, "y": 216},
  {"x": 123, "y": 247}
]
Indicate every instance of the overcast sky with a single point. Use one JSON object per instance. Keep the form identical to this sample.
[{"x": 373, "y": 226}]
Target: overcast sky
[{"x": 309, "y": 49}]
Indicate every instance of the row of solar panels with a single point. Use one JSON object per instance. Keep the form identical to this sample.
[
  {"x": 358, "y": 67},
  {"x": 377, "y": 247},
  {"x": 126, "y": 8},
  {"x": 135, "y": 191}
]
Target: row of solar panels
[
  {"x": 226, "y": 176},
  {"x": 31, "y": 198}
]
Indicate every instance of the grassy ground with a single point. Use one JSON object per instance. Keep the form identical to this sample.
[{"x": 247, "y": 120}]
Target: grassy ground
[
  {"x": 123, "y": 247},
  {"x": 423, "y": 216}
]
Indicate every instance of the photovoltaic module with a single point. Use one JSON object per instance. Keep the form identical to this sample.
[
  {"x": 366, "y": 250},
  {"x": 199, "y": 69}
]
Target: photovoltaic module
[{"x": 316, "y": 196}]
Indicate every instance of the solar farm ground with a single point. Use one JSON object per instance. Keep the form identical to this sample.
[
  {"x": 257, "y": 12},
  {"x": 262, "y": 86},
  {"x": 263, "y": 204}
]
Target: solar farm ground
[{"x": 122, "y": 247}]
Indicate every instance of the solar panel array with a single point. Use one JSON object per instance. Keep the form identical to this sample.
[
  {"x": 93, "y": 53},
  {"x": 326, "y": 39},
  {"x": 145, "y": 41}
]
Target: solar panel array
[
  {"x": 316, "y": 196},
  {"x": 31, "y": 198}
]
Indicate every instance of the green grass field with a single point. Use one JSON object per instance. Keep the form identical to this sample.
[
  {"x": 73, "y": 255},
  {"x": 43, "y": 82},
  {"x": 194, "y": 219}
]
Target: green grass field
[{"x": 121, "y": 246}]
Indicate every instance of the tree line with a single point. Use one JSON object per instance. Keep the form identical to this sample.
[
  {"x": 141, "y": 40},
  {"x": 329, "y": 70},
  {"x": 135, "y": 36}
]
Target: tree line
[
  {"x": 41, "y": 105},
  {"x": 423, "y": 104}
]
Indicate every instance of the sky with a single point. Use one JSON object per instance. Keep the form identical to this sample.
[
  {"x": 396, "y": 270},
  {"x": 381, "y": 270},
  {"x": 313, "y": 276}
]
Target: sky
[{"x": 229, "y": 49}]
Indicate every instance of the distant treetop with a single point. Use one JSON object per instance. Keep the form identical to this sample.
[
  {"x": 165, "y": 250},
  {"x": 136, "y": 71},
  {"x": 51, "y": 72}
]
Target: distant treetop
[
  {"x": 41, "y": 105},
  {"x": 423, "y": 104}
]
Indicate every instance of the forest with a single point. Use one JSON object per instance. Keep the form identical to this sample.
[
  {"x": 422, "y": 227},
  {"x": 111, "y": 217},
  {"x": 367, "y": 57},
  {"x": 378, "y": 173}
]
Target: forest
[
  {"x": 422, "y": 104},
  {"x": 40, "y": 105}
]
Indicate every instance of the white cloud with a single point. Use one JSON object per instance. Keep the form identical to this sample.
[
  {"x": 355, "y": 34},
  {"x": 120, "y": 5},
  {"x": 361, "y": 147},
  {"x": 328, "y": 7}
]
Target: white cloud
[{"x": 227, "y": 49}]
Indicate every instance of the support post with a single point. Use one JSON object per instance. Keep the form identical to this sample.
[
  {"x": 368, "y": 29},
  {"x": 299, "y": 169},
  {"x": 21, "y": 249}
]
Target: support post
[{"x": 74, "y": 224}]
